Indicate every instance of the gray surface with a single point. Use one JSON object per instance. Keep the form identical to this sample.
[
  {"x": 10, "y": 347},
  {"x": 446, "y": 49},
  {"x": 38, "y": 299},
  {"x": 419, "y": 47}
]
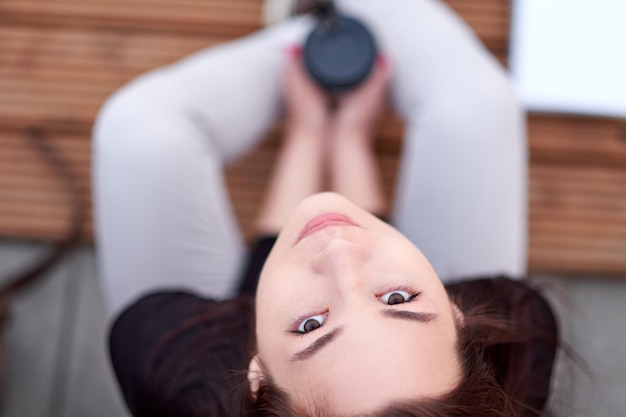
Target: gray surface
[
  {"x": 590, "y": 382},
  {"x": 33, "y": 337},
  {"x": 57, "y": 364},
  {"x": 90, "y": 390}
]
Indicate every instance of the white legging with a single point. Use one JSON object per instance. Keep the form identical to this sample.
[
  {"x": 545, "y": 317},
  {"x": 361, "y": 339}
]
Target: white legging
[{"x": 163, "y": 217}]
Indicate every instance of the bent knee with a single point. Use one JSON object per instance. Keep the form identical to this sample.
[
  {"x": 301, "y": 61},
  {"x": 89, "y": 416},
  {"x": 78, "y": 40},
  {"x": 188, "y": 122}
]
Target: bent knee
[
  {"x": 147, "y": 116},
  {"x": 135, "y": 104}
]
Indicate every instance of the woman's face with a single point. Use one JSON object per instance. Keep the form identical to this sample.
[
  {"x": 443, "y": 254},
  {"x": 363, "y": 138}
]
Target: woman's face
[{"x": 351, "y": 312}]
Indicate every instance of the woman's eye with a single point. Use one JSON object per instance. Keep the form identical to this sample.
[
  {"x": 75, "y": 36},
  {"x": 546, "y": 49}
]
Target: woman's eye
[
  {"x": 311, "y": 323},
  {"x": 397, "y": 297}
]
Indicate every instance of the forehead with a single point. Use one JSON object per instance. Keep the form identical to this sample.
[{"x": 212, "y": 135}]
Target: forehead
[{"x": 378, "y": 361}]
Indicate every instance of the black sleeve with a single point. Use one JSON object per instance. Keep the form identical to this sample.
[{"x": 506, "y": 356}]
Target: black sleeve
[
  {"x": 256, "y": 259},
  {"x": 170, "y": 348},
  {"x": 138, "y": 330},
  {"x": 524, "y": 365}
]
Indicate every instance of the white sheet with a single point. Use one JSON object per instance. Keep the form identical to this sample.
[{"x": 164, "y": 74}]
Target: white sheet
[{"x": 570, "y": 55}]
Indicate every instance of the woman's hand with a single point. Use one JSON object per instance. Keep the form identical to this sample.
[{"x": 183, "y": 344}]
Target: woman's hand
[
  {"x": 307, "y": 105},
  {"x": 359, "y": 109},
  {"x": 298, "y": 168}
]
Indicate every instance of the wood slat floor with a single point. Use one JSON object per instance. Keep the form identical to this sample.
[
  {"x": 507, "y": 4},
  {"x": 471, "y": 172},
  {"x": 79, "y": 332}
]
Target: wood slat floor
[{"x": 59, "y": 60}]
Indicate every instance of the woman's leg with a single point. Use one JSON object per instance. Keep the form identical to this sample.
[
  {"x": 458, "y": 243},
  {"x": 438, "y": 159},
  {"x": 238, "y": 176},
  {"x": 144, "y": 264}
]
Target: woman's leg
[
  {"x": 163, "y": 217},
  {"x": 461, "y": 195}
]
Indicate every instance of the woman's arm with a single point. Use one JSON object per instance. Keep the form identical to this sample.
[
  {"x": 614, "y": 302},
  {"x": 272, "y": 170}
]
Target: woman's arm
[
  {"x": 354, "y": 171},
  {"x": 299, "y": 168},
  {"x": 317, "y": 142}
]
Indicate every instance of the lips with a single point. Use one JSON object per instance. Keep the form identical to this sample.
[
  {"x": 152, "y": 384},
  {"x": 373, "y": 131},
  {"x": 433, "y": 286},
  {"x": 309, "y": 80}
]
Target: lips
[{"x": 323, "y": 221}]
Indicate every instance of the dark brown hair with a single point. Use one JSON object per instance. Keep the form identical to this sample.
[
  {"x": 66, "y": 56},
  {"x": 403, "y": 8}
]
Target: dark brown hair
[{"x": 198, "y": 370}]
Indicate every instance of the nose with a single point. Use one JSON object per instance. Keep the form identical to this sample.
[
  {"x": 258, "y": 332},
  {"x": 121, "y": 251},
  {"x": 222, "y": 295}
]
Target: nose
[{"x": 342, "y": 262}]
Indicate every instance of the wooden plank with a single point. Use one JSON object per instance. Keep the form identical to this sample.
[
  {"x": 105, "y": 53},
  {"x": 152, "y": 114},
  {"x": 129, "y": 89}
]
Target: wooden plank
[
  {"x": 28, "y": 49},
  {"x": 234, "y": 18},
  {"x": 33, "y": 201},
  {"x": 37, "y": 228},
  {"x": 577, "y": 219},
  {"x": 546, "y": 259},
  {"x": 577, "y": 140}
]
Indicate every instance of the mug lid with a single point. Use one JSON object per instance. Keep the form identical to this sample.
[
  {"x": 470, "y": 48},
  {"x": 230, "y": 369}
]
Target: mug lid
[{"x": 340, "y": 52}]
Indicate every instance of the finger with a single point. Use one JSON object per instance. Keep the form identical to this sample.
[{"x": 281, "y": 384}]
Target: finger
[
  {"x": 294, "y": 51},
  {"x": 291, "y": 76},
  {"x": 382, "y": 70},
  {"x": 383, "y": 62}
]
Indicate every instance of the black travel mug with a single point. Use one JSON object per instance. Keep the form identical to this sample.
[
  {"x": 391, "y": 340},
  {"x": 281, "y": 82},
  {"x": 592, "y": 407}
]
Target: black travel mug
[{"x": 340, "y": 52}]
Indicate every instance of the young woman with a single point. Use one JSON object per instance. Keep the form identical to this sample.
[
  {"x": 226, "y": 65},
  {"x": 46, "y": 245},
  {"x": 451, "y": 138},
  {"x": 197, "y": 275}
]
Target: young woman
[{"x": 351, "y": 316}]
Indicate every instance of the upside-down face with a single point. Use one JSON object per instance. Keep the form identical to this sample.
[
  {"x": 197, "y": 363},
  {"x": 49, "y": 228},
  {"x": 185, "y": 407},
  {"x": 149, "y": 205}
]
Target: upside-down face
[{"x": 349, "y": 312}]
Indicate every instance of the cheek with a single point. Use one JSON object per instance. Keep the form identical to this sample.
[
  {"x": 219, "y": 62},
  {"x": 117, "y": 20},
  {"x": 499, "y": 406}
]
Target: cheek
[
  {"x": 279, "y": 294},
  {"x": 274, "y": 281},
  {"x": 278, "y": 282}
]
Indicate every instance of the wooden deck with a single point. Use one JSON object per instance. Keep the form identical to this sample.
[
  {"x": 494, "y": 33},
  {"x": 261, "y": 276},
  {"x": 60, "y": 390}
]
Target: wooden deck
[{"x": 59, "y": 59}]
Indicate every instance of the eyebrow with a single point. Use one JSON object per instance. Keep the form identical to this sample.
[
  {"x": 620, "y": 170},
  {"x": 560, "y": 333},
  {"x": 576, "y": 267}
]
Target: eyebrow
[
  {"x": 316, "y": 346},
  {"x": 410, "y": 315},
  {"x": 323, "y": 341}
]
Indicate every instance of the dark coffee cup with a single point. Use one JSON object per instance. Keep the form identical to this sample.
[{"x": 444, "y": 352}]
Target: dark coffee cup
[{"x": 340, "y": 52}]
